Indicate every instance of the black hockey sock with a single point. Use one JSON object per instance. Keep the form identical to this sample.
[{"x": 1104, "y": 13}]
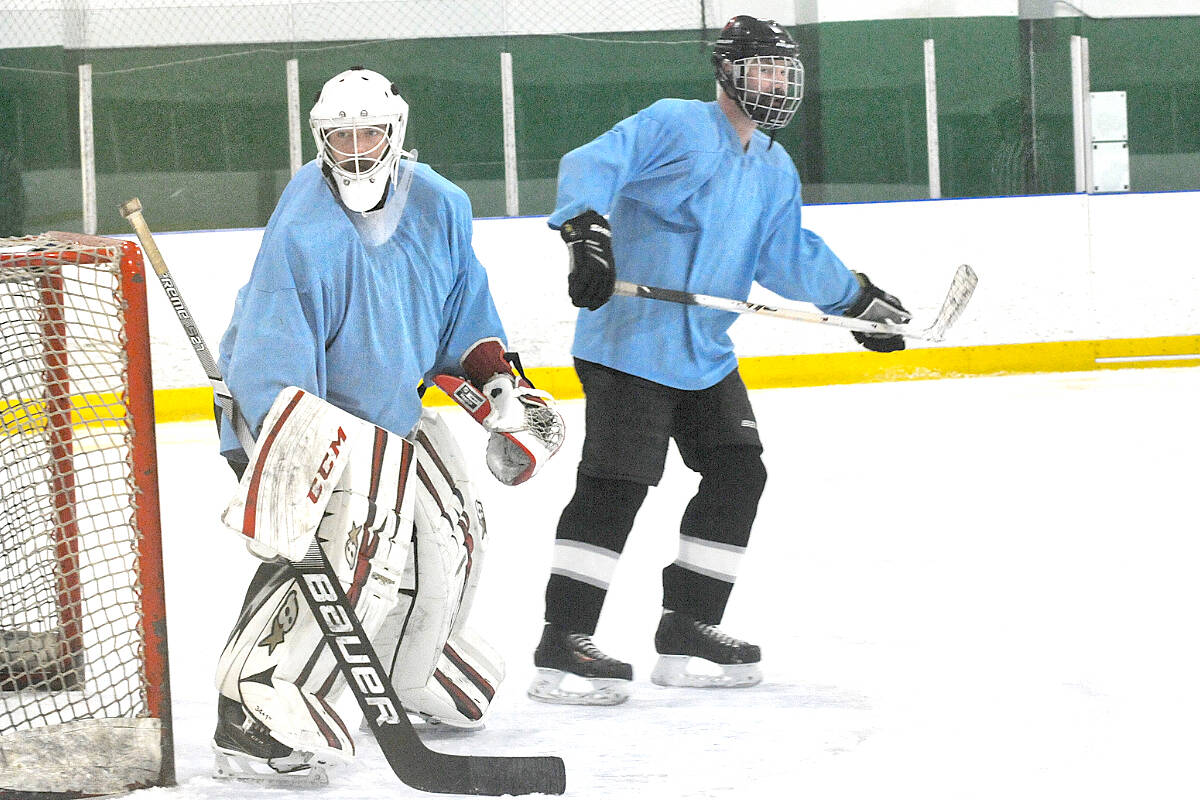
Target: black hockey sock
[
  {"x": 722, "y": 512},
  {"x": 600, "y": 514}
]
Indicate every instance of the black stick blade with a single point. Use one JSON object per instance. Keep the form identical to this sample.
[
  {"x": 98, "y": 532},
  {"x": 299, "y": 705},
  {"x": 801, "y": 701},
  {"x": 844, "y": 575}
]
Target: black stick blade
[
  {"x": 413, "y": 762},
  {"x": 431, "y": 771}
]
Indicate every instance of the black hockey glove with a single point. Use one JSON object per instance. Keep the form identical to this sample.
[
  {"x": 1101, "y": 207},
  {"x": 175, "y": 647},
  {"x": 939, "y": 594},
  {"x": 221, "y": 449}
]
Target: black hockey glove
[
  {"x": 589, "y": 245},
  {"x": 876, "y": 305}
]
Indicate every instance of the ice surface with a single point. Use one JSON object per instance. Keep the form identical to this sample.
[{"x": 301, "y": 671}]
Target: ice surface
[{"x": 978, "y": 588}]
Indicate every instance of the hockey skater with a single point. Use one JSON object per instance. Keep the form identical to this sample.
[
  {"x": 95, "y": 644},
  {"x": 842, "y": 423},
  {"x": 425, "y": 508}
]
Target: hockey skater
[
  {"x": 365, "y": 285},
  {"x": 699, "y": 198}
]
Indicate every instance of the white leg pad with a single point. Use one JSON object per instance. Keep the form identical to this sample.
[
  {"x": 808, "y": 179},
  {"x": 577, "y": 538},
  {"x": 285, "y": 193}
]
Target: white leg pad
[
  {"x": 276, "y": 663},
  {"x": 463, "y": 683},
  {"x": 298, "y": 718},
  {"x": 258, "y": 669},
  {"x": 438, "y": 668}
]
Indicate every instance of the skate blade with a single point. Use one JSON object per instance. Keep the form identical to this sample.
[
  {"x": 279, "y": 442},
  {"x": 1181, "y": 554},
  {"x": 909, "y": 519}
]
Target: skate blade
[
  {"x": 231, "y": 766},
  {"x": 556, "y": 686},
  {"x": 682, "y": 671}
]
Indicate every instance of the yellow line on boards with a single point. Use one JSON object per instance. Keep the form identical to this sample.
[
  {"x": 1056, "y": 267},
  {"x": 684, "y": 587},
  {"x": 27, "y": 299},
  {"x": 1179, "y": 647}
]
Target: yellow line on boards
[{"x": 824, "y": 369}]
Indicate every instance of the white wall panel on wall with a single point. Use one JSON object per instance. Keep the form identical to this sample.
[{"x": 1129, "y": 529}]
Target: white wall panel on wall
[
  {"x": 1031, "y": 256},
  {"x": 1051, "y": 268},
  {"x": 1146, "y": 275},
  {"x": 113, "y": 23},
  {"x": 1104, "y": 9},
  {"x": 782, "y": 11}
]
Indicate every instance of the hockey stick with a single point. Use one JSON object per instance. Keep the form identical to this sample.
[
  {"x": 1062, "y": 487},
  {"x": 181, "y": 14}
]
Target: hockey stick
[
  {"x": 132, "y": 211},
  {"x": 961, "y": 289},
  {"x": 411, "y": 761}
]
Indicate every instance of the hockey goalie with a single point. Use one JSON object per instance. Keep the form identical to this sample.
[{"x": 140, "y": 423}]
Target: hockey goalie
[
  {"x": 400, "y": 523},
  {"x": 364, "y": 286}
]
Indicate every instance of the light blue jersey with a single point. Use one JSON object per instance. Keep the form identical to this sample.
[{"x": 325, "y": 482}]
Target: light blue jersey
[
  {"x": 691, "y": 211},
  {"x": 352, "y": 315}
]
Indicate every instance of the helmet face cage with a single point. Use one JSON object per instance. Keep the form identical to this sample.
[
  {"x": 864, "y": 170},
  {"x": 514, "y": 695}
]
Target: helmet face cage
[
  {"x": 757, "y": 65},
  {"x": 358, "y": 125},
  {"x": 357, "y": 151},
  {"x": 768, "y": 88}
]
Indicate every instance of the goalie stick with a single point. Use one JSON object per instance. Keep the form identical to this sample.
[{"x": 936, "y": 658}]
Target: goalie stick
[
  {"x": 412, "y": 762},
  {"x": 961, "y": 289}
]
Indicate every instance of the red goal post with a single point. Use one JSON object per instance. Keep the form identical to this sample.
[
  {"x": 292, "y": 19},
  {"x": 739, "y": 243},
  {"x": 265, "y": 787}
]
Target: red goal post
[{"x": 84, "y": 688}]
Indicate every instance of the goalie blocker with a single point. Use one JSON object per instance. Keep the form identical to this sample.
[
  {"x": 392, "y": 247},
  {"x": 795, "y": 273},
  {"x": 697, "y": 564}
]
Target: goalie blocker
[{"x": 399, "y": 521}]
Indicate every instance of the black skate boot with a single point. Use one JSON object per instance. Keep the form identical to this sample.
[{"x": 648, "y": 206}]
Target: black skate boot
[
  {"x": 572, "y": 670},
  {"x": 731, "y": 663},
  {"x": 245, "y": 750}
]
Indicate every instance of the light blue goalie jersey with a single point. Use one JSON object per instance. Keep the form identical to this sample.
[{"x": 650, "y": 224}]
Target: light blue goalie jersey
[
  {"x": 357, "y": 311},
  {"x": 691, "y": 211}
]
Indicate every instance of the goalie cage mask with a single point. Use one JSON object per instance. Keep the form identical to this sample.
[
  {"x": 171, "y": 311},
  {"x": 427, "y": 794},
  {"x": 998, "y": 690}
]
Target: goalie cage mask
[{"x": 358, "y": 123}]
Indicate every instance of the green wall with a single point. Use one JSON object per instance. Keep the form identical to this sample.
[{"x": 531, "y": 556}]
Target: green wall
[{"x": 200, "y": 133}]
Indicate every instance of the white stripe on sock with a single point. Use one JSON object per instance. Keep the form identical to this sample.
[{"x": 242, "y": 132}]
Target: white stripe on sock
[
  {"x": 584, "y": 562},
  {"x": 720, "y": 561}
]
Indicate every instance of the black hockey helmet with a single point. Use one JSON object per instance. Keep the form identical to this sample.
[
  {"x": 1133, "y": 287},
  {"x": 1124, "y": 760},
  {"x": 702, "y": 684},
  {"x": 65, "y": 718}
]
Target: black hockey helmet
[{"x": 757, "y": 65}]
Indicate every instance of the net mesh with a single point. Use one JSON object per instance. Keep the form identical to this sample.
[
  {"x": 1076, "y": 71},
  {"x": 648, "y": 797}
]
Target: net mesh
[{"x": 71, "y": 646}]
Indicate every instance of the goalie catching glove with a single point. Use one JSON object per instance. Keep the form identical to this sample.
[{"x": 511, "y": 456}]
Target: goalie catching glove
[
  {"x": 875, "y": 305},
  {"x": 526, "y": 428}
]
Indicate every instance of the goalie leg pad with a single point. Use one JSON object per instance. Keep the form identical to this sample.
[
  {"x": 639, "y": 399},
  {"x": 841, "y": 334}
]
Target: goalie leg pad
[
  {"x": 430, "y": 656},
  {"x": 462, "y": 685},
  {"x": 276, "y": 663},
  {"x": 437, "y": 442},
  {"x": 297, "y": 461},
  {"x": 258, "y": 669}
]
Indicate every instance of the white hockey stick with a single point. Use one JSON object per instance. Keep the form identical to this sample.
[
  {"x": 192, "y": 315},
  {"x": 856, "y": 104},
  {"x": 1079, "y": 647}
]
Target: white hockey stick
[
  {"x": 961, "y": 289},
  {"x": 132, "y": 211},
  {"x": 411, "y": 761}
]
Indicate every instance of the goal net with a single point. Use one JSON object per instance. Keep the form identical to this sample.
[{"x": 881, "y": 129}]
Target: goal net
[{"x": 84, "y": 698}]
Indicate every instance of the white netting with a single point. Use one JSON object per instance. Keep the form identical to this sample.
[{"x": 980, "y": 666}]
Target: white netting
[
  {"x": 154, "y": 23},
  {"x": 71, "y": 646}
]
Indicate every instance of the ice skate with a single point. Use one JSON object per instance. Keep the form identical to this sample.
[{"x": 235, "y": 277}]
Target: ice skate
[
  {"x": 573, "y": 671},
  {"x": 698, "y": 655},
  {"x": 244, "y": 750}
]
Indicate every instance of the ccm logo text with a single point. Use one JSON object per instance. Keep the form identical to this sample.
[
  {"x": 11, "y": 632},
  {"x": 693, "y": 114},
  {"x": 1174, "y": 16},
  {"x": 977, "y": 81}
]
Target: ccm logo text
[{"x": 326, "y": 468}]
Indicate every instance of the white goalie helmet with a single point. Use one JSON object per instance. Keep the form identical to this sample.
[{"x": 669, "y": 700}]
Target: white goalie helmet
[{"x": 358, "y": 123}]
